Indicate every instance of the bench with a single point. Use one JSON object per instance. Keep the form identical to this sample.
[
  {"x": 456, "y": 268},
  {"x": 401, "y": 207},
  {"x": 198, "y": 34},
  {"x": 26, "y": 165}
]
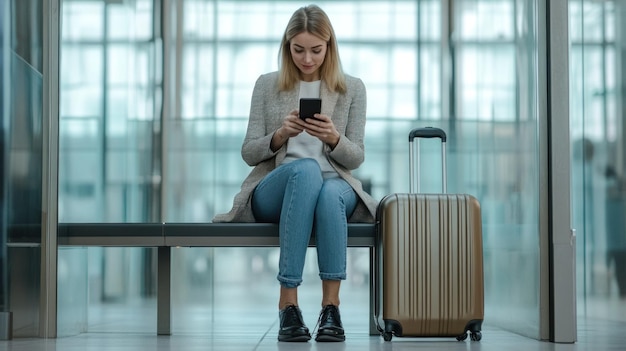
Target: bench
[{"x": 165, "y": 236}]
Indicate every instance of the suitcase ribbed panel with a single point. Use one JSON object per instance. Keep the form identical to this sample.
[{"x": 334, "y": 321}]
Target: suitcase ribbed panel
[{"x": 432, "y": 263}]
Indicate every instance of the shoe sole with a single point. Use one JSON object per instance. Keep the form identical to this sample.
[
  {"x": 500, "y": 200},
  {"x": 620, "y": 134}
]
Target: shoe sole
[{"x": 330, "y": 338}]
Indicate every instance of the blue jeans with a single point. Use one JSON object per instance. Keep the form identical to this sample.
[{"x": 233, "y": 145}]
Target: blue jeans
[{"x": 296, "y": 196}]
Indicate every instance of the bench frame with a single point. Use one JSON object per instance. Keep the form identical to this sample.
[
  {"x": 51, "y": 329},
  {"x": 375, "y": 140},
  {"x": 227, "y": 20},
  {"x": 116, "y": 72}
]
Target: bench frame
[{"x": 165, "y": 236}]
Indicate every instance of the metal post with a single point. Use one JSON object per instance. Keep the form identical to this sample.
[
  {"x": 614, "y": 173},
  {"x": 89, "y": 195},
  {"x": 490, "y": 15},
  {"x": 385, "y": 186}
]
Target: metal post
[
  {"x": 164, "y": 314},
  {"x": 50, "y": 157},
  {"x": 562, "y": 238}
]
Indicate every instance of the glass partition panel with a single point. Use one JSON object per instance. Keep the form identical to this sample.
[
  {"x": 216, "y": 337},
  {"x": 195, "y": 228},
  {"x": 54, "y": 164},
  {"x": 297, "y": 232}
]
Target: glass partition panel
[
  {"x": 24, "y": 148},
  {"x": 21, "y": 158},
  {"x": 108, "y": 82}
]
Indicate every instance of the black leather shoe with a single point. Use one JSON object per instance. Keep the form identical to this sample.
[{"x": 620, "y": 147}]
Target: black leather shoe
[
  {"x": 292, "y": 326},
  {"x": 330, "y": 328}
]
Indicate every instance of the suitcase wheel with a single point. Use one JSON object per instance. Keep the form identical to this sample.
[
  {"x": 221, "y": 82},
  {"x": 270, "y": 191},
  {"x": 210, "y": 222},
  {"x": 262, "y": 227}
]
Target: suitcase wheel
[
  {"x": 391, "y": 327},
  {"x": 476, "y": 336}
]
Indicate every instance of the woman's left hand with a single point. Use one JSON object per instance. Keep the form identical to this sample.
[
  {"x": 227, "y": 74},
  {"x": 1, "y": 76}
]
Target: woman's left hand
[{"x": 323, "y": 128}]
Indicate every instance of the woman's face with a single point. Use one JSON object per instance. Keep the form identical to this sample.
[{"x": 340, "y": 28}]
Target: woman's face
[{"x": 308, "y": 53}]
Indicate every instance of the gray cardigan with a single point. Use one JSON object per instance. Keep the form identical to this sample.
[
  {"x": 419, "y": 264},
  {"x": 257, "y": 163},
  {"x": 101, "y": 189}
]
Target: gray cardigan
[{"x": 268, "y": 109}]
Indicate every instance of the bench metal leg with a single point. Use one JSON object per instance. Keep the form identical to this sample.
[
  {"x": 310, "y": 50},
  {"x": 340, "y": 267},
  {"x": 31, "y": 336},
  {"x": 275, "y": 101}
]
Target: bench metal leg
[
  {"x": 164, "y": 312},
  {"x": 373, "y": 328}
]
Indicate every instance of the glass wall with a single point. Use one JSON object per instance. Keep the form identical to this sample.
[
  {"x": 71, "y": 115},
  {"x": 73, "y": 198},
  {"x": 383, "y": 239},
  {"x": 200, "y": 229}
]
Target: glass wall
[
  {"x": 143, "y": 141},
  {"x": 109, "y": 92},
  {"x": 597, "y": 76},
  {"x": 21, "y": 143}
]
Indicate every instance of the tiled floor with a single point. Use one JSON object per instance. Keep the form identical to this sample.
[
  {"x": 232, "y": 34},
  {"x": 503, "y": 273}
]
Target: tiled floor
[
  {"x": 247, "y": 319},
  {"x": 240, "y": 332},
  {"x": 593, "y": 335}
]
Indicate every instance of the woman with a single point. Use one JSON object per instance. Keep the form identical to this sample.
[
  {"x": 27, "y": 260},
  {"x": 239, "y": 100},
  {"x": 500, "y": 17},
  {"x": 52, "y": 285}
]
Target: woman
[{"x": 302, "y": 168}]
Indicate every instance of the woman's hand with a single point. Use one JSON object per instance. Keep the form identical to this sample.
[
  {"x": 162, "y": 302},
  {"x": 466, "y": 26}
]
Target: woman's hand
[
  {"x": 323, "y": 128},
  {"x": 292, "y": 126}
]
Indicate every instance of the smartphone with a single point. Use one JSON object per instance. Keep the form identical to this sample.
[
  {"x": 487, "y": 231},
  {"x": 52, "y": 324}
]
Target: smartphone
[{"x": 309, "y": 107}]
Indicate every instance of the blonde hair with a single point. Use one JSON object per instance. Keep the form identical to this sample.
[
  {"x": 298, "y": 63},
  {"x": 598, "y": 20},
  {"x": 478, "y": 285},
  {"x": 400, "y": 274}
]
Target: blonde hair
[{"x": 314, "y": 20}]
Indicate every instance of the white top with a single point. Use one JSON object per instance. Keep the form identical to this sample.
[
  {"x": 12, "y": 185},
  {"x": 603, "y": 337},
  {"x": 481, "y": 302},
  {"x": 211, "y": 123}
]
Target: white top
[{"x": 304, "y": 145}]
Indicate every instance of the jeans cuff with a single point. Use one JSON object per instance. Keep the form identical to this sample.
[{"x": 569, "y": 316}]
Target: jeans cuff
[
  {"x": 289, "y": 283},
  {"x": 333, "y": 276}
]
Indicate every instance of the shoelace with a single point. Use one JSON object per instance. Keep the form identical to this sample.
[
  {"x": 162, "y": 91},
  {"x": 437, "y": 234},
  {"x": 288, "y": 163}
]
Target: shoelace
[
  {"x": 326, "y": 314},
  {"x": 291, "y": 312}
]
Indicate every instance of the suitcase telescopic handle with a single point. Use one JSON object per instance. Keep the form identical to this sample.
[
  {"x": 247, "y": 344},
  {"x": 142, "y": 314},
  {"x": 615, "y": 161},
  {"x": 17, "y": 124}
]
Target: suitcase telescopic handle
[{"x": 428, "y": 132}]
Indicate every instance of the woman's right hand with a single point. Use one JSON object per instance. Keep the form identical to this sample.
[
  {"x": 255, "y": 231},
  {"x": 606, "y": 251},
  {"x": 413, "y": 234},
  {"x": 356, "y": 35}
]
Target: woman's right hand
[{"x": 292, "y": 126}]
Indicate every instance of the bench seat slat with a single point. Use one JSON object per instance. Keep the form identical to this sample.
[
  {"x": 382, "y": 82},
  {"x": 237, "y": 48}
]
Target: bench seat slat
[{"x": 111, "y": 234}]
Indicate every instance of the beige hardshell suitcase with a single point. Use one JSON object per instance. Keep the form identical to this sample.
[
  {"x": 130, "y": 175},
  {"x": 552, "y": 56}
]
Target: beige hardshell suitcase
[{"x": 429, "y": 280}]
